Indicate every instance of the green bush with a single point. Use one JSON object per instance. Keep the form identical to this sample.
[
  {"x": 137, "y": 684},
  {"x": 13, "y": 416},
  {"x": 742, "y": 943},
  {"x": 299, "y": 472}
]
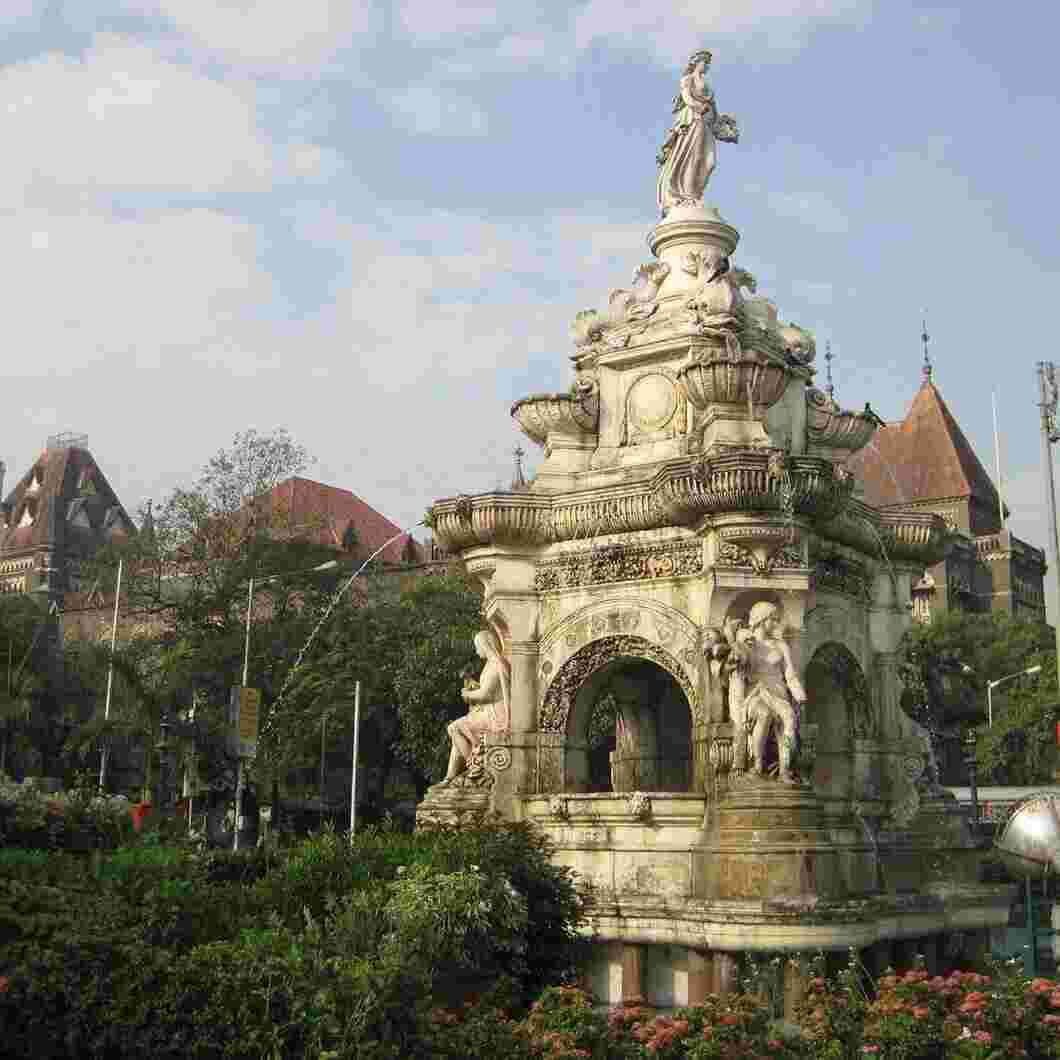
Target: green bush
[{"x": 331, "y": 949}]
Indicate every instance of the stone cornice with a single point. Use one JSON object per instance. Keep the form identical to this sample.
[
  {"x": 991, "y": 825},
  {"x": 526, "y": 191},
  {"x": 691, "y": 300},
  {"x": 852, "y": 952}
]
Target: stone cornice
[{"x": 690, "y": 492}]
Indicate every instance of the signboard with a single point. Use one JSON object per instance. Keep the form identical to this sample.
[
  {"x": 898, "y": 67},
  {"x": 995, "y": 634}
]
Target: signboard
[{"x": 243, "y": 710}]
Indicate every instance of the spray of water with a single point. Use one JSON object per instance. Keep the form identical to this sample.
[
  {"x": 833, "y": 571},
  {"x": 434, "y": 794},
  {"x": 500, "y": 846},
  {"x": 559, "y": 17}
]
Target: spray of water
[{"x": 324, "y": 617}]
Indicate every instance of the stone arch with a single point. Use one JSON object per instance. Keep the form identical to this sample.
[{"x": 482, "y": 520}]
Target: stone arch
[
  {"x": 671, "y": 631},
  {"x": 555, "y": 710},
  {"x": 839, "y": 712},
  {"x": 648, "y": 689}
]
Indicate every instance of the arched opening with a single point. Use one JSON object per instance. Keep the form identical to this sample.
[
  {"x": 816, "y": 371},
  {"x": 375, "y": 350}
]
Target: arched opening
[
  {"x": 837, "y": 710},
  {"x": 630, "y": 729}
]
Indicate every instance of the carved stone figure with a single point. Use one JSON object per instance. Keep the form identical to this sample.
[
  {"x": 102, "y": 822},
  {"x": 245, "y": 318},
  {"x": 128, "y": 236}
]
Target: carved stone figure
[
  {"x": 774, "y": 692},
  {"x": 716, "y": 651},
  {"x": 689, "y": 154},
  {"x": 489, "y": 700}
]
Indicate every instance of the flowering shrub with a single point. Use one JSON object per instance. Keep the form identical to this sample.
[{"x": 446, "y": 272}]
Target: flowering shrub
[{"x": 964, "y": 1015}]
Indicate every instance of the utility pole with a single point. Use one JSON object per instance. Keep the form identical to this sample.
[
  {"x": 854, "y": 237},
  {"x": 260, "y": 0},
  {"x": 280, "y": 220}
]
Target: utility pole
[{"x": 1047, "y": 388}]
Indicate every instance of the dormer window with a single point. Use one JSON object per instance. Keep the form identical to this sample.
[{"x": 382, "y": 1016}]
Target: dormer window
[
  {"x": 29, "y": 514},
  {"x": 36, "y": 481}
]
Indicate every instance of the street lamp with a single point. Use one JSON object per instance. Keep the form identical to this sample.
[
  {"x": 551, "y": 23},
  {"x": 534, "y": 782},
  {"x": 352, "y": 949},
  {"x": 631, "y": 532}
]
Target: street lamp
[{"x": 991, "y": 685}]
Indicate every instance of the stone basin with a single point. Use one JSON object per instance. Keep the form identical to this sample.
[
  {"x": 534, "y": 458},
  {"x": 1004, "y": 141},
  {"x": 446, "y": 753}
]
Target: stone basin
[
  {"x": 555, "y": 419},
  {"x": 714, "y": 378},
  {"x": 829, "y": 425}
]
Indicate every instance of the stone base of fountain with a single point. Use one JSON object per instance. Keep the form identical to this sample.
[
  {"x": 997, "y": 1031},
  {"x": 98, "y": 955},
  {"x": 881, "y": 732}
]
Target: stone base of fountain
[{"x": 776, "y": 842}]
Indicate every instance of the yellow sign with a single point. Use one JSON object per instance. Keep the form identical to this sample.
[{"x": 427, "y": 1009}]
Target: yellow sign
[{"x": 249, "y": 705}]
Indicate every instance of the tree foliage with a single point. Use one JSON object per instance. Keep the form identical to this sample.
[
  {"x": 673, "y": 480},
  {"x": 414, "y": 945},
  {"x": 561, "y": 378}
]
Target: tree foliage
[
  {"x": 409, "y": 645},
  {"x": 185, "y": 581},
  {"x": 1020, "y": 746}
]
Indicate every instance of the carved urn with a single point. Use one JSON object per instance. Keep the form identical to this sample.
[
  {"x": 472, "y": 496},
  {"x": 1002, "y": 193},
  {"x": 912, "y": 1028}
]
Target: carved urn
[
  {"x": 711, "y": 376},
  {"x": 829, "y": 426},
  {"x": 559, "y": 421}
]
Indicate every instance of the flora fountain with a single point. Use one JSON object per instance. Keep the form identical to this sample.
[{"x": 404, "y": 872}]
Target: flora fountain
[{"x": 690, "y": 674}]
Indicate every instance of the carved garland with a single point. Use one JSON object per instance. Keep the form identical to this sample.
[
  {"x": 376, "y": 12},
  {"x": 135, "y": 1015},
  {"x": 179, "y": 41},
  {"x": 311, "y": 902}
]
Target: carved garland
[
  {"x": 555, "y": 710},
  {"x": 615, "y": 563},
  {"x": 733, "y": 555}
]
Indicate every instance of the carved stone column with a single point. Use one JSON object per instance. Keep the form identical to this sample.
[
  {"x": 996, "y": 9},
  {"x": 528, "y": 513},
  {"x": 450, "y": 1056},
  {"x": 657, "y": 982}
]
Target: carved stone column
[
  {"x": 632, "y": 972},
  {"x": 796, "y": 981},
  {"x": 885, "y": 686},
  {"x": 700, "y": 977},
  {"x": 524, "y": 655},
  {"x": 726, "y": 973}
]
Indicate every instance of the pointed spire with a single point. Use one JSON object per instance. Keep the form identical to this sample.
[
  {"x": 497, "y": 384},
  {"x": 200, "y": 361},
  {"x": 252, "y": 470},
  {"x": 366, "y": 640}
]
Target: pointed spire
[
  {"x": 829, "y": 387},
  {"x": 925, "y": 338},
  {"x": 519, "y": 479}
]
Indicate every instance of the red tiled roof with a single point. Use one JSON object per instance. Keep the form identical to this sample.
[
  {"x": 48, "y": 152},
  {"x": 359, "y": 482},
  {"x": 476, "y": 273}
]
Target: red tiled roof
[
  {"x": 925, "y": 457},
  {"x": 330, "y": 513}
]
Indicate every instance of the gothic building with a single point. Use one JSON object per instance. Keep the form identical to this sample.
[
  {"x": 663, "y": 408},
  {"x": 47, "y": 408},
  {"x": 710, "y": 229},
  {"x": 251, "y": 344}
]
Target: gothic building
[
  {"x": 925, "y": 462},
  {"x": 57, "y": 515}
]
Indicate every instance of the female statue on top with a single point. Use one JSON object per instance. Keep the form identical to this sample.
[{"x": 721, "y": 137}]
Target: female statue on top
[{"x": 689, "y": 153}]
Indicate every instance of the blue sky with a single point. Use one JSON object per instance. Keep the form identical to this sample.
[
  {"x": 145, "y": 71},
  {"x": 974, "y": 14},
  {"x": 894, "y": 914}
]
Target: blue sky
[{"x": 373, "y": 224}]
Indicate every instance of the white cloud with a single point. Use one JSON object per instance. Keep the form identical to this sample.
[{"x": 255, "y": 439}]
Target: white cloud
[
  {"x": 14, "y": 12},
  {"x": 433, "y": 108},
  {"x": 121, "y": 117},
  {"x": 429, "y": 20},
  {"x": 90, "y": 289},
  {"x": 672, "y": 32},
  {"x": 294, "y": 33}
]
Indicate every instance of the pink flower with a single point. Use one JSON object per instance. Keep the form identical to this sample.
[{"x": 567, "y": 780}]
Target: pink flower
[
  {"x": 870, "y": 1048},
  {"x": 983, "y": 1036}
]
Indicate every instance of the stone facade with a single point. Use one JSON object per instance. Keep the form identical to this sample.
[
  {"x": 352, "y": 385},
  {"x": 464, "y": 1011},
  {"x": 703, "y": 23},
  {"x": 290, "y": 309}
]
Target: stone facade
[
  {"x": 693, "y": 479},
  {"x": 925, "y": 463},
  {"x": 56, "y": 516}
]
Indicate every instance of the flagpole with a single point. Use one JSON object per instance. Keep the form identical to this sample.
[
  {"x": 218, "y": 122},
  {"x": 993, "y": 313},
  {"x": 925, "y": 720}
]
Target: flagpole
[{"x": 997, "y": 461}]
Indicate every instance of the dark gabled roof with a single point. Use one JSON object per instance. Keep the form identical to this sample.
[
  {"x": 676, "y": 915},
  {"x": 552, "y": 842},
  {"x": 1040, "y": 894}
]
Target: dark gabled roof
[
  {"x": 924, "y": 457},
  {"x": 62, "y": 500}
]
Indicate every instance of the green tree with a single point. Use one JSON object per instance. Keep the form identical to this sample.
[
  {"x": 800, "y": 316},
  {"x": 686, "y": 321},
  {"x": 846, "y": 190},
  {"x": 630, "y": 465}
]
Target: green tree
[
  {"x": 185, "y": 578},
  {"x": 1020, "y": 746},
  {"x": 408, "y": 641}
]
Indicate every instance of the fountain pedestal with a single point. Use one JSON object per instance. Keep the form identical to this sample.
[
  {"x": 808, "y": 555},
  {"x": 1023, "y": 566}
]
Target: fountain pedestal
[{"x": 776, "y": 842}]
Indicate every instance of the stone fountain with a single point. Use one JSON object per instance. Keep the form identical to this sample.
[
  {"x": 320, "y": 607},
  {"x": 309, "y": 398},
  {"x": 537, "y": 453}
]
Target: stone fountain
[{"x": 690, "y": 677}]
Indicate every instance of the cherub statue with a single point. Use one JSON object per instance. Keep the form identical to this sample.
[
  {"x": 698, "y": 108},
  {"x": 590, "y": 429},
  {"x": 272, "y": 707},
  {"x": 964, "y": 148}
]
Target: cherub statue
[{"x": 765, "y": 692}]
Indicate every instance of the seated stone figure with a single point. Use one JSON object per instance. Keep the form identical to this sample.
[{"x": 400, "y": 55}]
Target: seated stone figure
[{"x": 489, "y": 702}]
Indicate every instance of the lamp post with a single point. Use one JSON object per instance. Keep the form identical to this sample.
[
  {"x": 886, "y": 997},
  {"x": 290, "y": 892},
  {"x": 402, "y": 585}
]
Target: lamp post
[{"x": 991, "y": 685}]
